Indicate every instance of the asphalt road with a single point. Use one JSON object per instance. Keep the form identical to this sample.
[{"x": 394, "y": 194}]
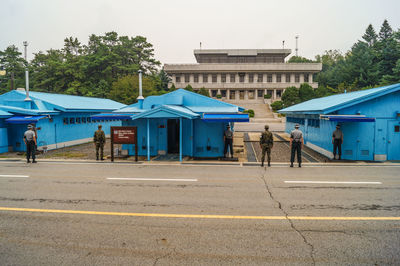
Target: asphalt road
[{"x": 125, "y": 214}]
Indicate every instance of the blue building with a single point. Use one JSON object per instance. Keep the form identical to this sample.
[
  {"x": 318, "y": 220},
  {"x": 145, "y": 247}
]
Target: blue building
[
  {"x": 61, "y": 120},
  {"x": 179, "y": 122},
  {"x": 369, "y": 119}
]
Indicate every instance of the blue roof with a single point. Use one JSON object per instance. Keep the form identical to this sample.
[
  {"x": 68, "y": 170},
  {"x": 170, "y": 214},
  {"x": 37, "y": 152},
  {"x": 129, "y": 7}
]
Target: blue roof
[
  {"x": 336, "y": 102},
  {"x": 190, "y": 100},
  {"x": 167, "y": 111},
  {"x": 61, "y": 101},
  {"x": 25, "y": 119},
  {"x": 4, "y": 114}
]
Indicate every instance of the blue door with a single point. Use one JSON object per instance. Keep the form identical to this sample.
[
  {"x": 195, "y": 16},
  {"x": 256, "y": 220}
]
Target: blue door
[
  {"x": 393, "y": 140},
  {"x": 358, "y": 141}
]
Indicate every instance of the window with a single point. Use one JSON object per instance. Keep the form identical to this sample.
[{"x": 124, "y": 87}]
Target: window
[
  {"x": 223, "y": 78},
  {"x": 187, "y": 78},
  {"x": 278, "y": 78},
  {"x": 260, "y": 93},
  {"x": 223, "y": 93},
  {"x": 196, "y": 78},
  {"x": 205, "y": 77},
  {"x": 232, "y": 78},
  {"x": 313, "y": 122},
  {"x": 288, "y": 78},
  {"x": 260, "y": 78},
  {"x": 213, "y": 93},
  {"x": 214, "y": 78},
  {"x": 78, "y": 120},
  {"x": 269, "y": 78},
  {"x": 88, "y": 119},
  {"x": 251, "y": 78},
  {"x": 297, "y": 78},
  {"x": 306, "y": 78},
  {"x": 65, "y": 120},
  {"x": 295, "y": 120},
  {"x": 232, "y": 95},
  {"x": 241, "y": 77},
  {"x": 396, "y": 128},
  {"x": 83, "y": 119},
  {"x": 72, "y": 120},
  {"x": 178, "y": 79}
]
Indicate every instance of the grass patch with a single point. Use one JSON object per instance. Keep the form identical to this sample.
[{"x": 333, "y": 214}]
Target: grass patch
[{"x": 69, "y": 155}]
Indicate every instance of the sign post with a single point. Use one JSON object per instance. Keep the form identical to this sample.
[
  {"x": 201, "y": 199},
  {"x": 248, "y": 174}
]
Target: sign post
[{"x": 124, "y": 135}]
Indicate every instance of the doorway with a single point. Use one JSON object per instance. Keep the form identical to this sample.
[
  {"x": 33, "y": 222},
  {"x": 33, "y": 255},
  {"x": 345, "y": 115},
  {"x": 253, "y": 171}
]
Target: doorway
[{"x": 173, "y": 135}]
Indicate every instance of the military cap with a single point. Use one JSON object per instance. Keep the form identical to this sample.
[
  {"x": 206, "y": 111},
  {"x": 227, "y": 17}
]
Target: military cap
[
  {"x": 297, "y": 126},
  {"x": 266, "y": 127}
]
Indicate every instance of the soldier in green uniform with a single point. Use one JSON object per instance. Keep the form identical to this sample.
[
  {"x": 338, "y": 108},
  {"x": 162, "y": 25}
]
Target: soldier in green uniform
[
  {"x": 99, "y": 140},
  {"x": 266, "y": 143}
]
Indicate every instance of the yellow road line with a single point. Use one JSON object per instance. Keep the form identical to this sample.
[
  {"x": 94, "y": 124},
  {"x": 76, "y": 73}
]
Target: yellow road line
[{"x": 201, "y": 216}]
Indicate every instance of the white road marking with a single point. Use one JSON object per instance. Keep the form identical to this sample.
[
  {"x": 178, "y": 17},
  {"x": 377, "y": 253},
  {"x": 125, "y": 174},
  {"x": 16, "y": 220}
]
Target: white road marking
[
  {"x": 153, "y": 179},
  {"x": 24, "y": 176},
  {"x": 333, "y": 182}
]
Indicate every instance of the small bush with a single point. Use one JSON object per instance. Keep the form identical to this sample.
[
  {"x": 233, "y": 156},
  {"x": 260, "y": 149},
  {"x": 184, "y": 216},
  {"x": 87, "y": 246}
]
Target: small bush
[
  {"x": 219, "y": 96},
  {"x": 277, "y": 105},
  {"x": 250, "y": 112},
  {"x": 267, "y": 96}
]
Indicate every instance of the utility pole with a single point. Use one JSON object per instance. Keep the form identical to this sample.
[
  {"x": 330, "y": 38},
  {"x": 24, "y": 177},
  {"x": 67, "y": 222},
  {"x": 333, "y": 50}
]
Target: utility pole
[
  {"x": 26, "y": 74},
  {"x": 297, "y": 48}
]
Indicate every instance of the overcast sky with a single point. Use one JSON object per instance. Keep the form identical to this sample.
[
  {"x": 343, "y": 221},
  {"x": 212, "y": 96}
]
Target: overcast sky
[{"x": 176, "y": 27}]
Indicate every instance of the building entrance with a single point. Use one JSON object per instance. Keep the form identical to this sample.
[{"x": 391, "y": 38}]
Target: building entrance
[{"x": 173, "y": 135}]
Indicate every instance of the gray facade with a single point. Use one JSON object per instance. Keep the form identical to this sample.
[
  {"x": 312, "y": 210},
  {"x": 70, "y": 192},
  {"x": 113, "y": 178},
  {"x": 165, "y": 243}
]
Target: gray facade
[{"x": 243, "y": 74}]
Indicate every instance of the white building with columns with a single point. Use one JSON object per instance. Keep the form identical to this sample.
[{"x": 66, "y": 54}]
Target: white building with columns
[{"x": 242, "y": 74}]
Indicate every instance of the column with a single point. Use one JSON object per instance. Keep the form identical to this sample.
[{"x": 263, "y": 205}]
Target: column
[
  {"x": 283, "y": 77},
  {"x": 191, "y": 78},
  {"x": 201, "y": 78},
  {"x": 292, "y": 78},
  {"x": 301, "y": 78},
  {"x": 218, "y": 91},
  {"x": 274, "y": 96},
  {"x": 246, "y": 94},
  {"x": 228, "y": 94},
  {"x": 265, "y": 78},
  {"x": 209, "y": 92},
  {"x": 310, "y": 78},
  {"x": 273, "y": 78},
  {"x": 246, "y": 78},
  {"x": 148, "y": 139},
  {"x": 180, "y": 139},
  {"x": 237, "y": 96},
  {"x": 256, "y": 94}
]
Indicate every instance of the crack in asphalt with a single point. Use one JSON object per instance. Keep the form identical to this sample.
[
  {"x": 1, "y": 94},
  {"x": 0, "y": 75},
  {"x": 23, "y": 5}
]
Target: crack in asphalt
[
  {"x": 263, "y": 177},
  {"x": 166, "y": 255}
]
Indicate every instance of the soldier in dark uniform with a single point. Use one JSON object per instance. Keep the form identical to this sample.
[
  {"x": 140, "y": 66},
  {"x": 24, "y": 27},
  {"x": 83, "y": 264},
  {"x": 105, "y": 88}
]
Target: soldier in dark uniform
[
  {"x": 337, "y": 140},
  {"x": 296, "y": 143},
  {"x": 99, "y": 140},
  {"x": 266, "y": 143},
  {"x": 30, "y": 142}
]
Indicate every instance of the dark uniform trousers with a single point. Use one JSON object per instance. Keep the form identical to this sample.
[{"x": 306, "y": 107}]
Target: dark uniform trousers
[
  {"x": 266, "y": 149},
  {"x": 99, "y": 145},
  {"x": 30, "y": 150},
  {"x": 337, "y": 145},
  {"x": 296, "y": 147},
  {"x": 228, "y": 142}
]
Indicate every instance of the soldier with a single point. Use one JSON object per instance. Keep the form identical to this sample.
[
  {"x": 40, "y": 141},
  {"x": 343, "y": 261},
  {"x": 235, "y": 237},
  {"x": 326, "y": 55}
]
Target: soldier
[
  {"x": 337, "y": 140},
  {"x": 228, "y": 140},
  {"x": 266, "y": 143},
  {"x": 296, "y": 143},
  {"x": 30, "y": 142},
  {"x": 99, "y": 139}
]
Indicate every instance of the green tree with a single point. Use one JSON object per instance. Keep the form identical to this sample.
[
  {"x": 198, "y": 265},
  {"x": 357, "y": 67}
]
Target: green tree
[
  {"x": 370, "y": 36},
  {"x": 299, "y": 59},
  {"x": 306, "y": 92},
  {"x": 203, "y": 91},
  {"x": 277, "y": 105},
  {"x": 126, "y": 89},
  {"x": 290, "y": 97},
  {"x": 14, "y": 65}
]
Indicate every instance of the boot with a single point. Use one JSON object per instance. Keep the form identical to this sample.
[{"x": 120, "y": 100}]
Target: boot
[
  {"x": 34, "y": 161},
  {"x": 300, "y": 165},
  {"x": 262, "y": 164},
  {"x": 269, "y": 164},
  {"x": 291, "y": 164},
  {"x": 28, "y": 161}
]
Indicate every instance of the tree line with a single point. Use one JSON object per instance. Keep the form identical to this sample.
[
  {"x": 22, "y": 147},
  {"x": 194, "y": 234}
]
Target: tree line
[
  {"x": 371, "y": 62},
  {"x": 107, "y": 65}
]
